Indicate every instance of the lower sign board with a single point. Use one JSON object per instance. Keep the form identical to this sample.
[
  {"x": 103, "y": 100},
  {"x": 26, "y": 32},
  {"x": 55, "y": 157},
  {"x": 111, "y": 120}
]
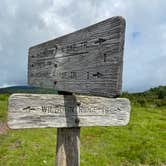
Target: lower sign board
[
  {"x": 43, "y": 110},
  {"x": 88, "y": 61}
]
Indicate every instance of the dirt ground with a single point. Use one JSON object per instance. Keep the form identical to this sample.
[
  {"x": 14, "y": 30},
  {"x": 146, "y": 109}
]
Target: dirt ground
[{"x": 3, "y": 128}]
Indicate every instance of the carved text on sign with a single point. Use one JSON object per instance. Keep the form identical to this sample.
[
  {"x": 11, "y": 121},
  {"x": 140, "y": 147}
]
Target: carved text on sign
[{"x": 63, "y": 110}]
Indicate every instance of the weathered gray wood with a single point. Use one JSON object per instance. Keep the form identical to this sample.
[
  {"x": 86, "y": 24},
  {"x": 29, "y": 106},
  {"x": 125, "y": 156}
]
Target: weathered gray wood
[
  {"x": 68, "y": 147},
  {"x": 88, "y": 61},
  {"x": 40, "y": 111}
]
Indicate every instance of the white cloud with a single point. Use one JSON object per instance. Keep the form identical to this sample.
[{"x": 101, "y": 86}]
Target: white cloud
[
  {"x": 1, "y": 47},
  {"x": 53, "y": 21}
]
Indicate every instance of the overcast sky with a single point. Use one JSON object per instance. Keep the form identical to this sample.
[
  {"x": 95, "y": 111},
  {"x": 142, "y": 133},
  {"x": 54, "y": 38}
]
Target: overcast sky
[{"x": 24, "y": 23}]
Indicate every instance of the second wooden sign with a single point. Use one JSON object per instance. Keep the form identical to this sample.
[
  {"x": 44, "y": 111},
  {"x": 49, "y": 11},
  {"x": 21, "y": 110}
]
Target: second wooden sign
[{"x": 40, "y": 111}]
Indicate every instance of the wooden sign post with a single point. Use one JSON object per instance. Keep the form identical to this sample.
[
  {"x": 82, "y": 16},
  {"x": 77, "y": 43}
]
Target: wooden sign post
[
  {"x": 88, "y": 62},
  {"x": 68, "y": 113}
]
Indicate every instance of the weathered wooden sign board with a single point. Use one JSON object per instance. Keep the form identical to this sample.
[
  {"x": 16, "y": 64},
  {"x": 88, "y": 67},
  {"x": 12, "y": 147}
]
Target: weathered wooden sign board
[
  {"x": 40, "y": 111},
  {"x": 88, "y": 61}
]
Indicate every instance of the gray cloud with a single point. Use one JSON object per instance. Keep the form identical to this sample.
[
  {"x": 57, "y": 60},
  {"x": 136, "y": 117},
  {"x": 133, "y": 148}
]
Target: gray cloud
[{"x": 25, "y": 23}]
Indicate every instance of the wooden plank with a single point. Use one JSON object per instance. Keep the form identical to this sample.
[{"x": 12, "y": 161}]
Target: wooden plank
[
  {"x": 68, "y": 147},
  {"x": 88, "y": 61},
  {"x": 42, "y": 110}
]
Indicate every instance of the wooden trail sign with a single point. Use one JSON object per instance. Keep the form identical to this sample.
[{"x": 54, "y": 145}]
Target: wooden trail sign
[
  {"x": 40, "y": 111},
  {"x": 88, "y": 61}
]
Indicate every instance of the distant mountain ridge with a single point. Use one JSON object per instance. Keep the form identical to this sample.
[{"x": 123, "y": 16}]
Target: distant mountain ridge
[
  {"x": 160, "y": 90},
  {"x": 154, "y": 96},
  {"x": 26, "y": 89}
]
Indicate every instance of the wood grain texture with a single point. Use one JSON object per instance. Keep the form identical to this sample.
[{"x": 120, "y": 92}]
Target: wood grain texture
[
  {"x": 41, "y": 111},
  {"x": 68, "y": 147},
  {"x": 88, "y": 61}
]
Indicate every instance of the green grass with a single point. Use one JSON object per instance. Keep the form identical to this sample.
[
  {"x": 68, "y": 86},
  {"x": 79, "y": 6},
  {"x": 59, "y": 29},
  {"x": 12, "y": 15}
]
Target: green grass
[
  {"x": 3, "y": 107},
  {"x": 143, "y": 141}
]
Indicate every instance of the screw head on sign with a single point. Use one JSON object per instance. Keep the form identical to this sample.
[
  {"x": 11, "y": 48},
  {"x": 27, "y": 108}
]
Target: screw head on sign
[
  {"x": 78, "y": 103},
  {"x": 77, "y": 120}
]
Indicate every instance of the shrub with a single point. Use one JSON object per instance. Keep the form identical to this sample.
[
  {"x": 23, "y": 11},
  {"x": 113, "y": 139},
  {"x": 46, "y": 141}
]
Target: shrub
[{"x": 161, "y": 94}]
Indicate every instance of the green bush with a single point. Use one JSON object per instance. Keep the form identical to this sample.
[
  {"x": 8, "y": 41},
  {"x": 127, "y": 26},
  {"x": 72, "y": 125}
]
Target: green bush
[
  {"x": 142, "y": 102},
  {"x": 161, "y": 94}
]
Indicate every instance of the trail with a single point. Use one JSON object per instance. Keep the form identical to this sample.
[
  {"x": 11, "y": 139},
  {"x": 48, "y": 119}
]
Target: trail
[{"x": 3, "y": 128}]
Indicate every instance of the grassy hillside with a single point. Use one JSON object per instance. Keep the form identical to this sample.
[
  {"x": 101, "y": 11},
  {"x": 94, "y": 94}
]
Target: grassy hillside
[
  {"x": 3, "y": 106},
  {"x": 142, "y": 142},
  {"x": 155, "y": 97}
]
